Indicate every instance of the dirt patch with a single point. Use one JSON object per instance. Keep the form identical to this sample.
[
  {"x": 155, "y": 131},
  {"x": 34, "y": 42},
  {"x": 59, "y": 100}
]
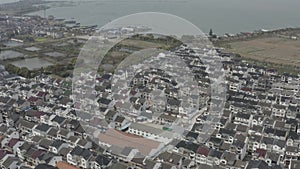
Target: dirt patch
[{"x": 274, "y": 50}]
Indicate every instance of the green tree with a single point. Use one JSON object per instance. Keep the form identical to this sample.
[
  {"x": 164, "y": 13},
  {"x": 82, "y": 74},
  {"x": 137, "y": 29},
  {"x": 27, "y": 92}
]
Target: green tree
[
  {"x": 25, "y": 72},
  {"x": 211, "y": 33},
  {"x": 12, "y": 68}
]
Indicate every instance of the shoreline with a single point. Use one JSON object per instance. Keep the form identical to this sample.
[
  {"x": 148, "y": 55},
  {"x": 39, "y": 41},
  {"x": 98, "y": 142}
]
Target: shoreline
[
  {"x": 30, "y": 6},
  {"x": 110, "y": 11}
]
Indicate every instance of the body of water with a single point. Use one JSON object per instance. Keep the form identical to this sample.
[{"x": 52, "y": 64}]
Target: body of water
[
  {"x": 32, "y": 63},
  {"x": 11, "y": 43},
  {"x": 223, "y": 16},
  {"x": 10, "y": 54},
  {"x": 7, "y": 1}
]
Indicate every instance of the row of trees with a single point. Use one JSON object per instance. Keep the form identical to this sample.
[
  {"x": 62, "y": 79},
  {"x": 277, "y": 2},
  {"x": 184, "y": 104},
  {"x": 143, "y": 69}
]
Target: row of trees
[
  {"x": 60, "y": 70},
  {"x": 23, "y": 71}
]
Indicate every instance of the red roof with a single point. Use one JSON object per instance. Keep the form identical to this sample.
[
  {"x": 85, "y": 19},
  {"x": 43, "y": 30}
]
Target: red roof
[
  {"x": 118, "y": 104},
  {"x": 41, "y": 94},
  {"x": 99, "y": 79},
  {"x": 33, "y": 99},
  {"x": 203, "y": 151},
  {"x": 132, "y": 92},
  {"x": 3, "y": 153},
  {"x": 246, "y": 89},
  {"x": 64, "y": 165},
  {"x": 36, "y": 154},
  {"x": 13, "y": 142},
  {"x": 261, "y": 152},
  {"x": 77, "y": 105},
  {"x": 58, "y": 81}
]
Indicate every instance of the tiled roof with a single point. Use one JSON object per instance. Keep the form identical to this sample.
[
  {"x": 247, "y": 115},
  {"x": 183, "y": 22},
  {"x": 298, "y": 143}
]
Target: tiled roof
[
  {"x": 12, "y": 142},
  {"x": 203, "y": 151},
  {"x": 65, "y": 165}
]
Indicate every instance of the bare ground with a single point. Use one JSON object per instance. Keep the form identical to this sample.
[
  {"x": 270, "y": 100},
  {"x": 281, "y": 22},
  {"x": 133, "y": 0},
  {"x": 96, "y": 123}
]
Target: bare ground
[{"x": 276, "y": 50}]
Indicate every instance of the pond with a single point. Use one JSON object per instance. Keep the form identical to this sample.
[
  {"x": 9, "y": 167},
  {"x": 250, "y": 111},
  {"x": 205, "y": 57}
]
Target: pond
[
  {"x": 33, "y": 49},
  {"x": 32, "y": 63},
  {"x": 11, "y": 43},
  {"x": 10, "y": 54},
  {"x": 54, "y": 54}
]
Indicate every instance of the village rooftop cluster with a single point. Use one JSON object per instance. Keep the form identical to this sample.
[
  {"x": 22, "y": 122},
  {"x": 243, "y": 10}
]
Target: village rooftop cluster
[{"x": 42, "y": 125}]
